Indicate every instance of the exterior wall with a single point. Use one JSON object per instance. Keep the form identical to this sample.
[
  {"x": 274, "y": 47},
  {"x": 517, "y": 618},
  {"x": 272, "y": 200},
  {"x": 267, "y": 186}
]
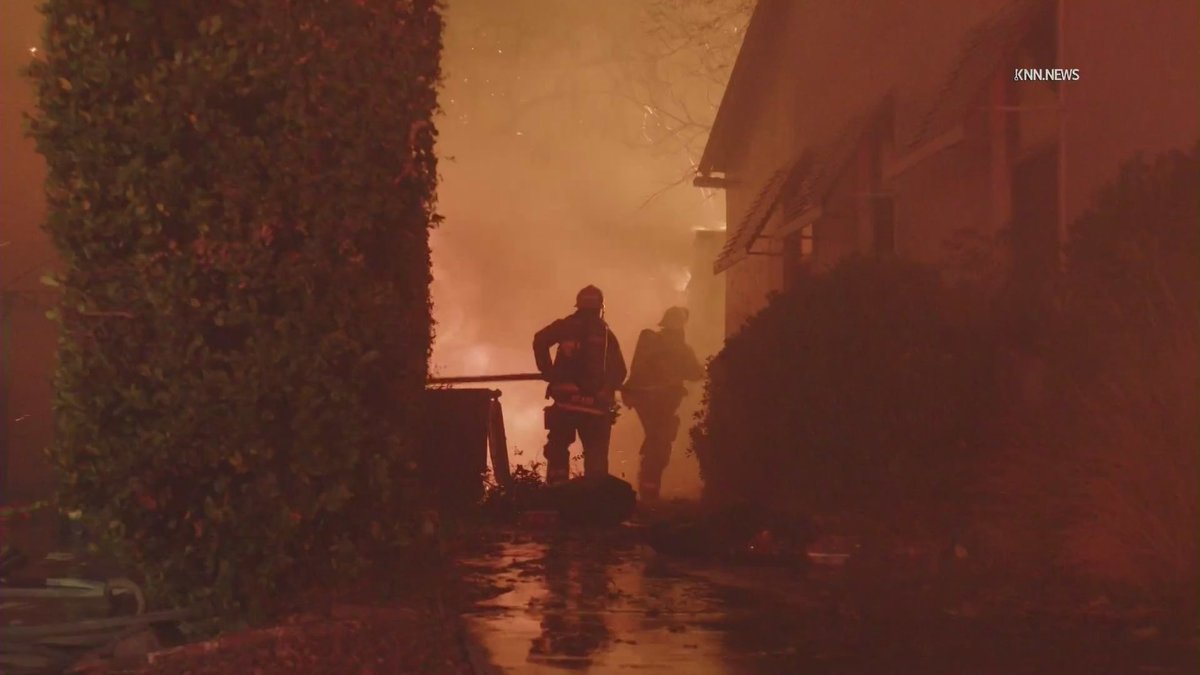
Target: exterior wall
[
  {"x": 1137, "y": 90},
  {"x": 770, "y": 143},
  {"x": 837, "y": 233},
  {"x": 706, "y": 295},
  {"x": 937, "y": 199},
  {"x": 747, "y": 287},
  {"x": 843, "y": 57},
  {"x": 863, "y": 49}
]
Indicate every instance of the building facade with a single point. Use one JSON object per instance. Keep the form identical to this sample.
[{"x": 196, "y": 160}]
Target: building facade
[{"x": 863, "y": 127}]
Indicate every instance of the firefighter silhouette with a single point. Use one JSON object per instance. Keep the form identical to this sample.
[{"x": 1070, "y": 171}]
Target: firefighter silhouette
[
  {"x": 583, "y": 377},
  {"x": 662, "y": 362}
]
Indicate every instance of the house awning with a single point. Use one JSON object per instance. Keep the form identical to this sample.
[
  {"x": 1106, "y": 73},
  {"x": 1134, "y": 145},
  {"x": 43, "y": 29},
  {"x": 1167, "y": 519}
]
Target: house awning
[
  {"x": 986, "y": 49},
  {"x": 740, "y": 241},
  {"x": 799, "y": 186}
]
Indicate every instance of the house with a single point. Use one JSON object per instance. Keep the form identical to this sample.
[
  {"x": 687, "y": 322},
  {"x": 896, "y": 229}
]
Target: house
[{"x": 863, "y": 127}]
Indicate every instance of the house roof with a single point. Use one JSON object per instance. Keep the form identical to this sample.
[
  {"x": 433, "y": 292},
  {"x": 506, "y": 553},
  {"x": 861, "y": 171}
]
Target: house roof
[
  {"x": 986, "y": 48},
  {"x": 762, "y": 33}
]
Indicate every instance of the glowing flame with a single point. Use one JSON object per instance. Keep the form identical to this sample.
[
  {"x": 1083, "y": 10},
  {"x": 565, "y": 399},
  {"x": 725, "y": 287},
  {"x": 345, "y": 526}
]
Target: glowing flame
[
  {"x": 477, "y": 360},
  {"x": 681, "y": 279}
]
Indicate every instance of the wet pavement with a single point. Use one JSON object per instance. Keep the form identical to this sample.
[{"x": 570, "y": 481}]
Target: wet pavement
[{"x": 611, "y": 604}]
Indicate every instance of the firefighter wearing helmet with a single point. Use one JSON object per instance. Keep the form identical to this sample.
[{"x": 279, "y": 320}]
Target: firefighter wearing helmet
[
  {"x": 583, "y": 377},
  {"x": 662, "y": 362}
]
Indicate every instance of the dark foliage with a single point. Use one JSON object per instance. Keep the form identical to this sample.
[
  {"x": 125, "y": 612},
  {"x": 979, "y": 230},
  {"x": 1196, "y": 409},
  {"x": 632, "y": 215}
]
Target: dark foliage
[
  {"x": 1132, "y": 278},
  {"x": 869, "y": 389},
  {"x": 524, "y": 492},
  {"x": 1104, "y": 475},
  {"x": 241, "y": 194}
]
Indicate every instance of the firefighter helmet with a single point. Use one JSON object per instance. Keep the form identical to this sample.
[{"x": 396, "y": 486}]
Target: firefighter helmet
[
  {"x": 589, "y": 297},
  {"x": 674, "y": 318}
]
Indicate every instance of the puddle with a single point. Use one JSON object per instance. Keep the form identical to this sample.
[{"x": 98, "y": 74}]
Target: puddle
[{"x": 575, "y": 604}]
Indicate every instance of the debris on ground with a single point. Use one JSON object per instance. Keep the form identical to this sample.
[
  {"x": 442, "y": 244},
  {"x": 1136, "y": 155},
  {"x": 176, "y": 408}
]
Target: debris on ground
[{"x": 64, "y": 610}]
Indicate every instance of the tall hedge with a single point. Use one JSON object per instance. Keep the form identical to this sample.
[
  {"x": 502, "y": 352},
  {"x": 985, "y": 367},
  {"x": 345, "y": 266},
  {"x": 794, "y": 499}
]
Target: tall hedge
[{"x": 241, "y": 194}]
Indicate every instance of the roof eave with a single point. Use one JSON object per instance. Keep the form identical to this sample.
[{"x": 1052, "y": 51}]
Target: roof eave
[{"x": 715, "y": 157}]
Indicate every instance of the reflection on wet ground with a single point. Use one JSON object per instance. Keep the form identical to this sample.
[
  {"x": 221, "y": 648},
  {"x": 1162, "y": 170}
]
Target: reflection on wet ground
[
  {"x": 608, "y": 604},
  {"x": 575, "y": 604}
]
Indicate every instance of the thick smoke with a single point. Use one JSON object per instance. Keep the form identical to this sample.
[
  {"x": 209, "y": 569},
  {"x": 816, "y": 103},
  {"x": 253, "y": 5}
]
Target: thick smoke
[{"x": 551, "y": 180}]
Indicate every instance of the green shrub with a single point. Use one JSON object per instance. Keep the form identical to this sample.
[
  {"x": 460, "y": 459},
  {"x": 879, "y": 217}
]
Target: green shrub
[
  {"x": 867, "y": 389},
  {"x": 241, "y": 194}
]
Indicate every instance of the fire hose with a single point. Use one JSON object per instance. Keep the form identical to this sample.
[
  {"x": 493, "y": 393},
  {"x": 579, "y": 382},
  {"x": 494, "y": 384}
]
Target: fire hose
[
  {"x": 518, "y": 377},
  {"x": 471, "y": 379}
]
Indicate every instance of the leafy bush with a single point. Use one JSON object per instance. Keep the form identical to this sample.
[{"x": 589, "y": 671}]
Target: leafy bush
[
  {"x": 241, "y": 194},
  {"x": 524, "y": 491},
  {"x": 1104, "y": 479},
  {"x": 867, "y": 389}
]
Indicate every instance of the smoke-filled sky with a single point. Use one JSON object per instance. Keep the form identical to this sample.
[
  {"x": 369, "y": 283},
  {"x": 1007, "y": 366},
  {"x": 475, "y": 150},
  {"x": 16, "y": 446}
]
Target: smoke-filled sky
[
  {"x": 549, "y": 155},
  {"x": 23, "y": 248}
]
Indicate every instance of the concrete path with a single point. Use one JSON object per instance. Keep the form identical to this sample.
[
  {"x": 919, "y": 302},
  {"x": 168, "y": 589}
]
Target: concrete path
[{"x": 574, "y": 603}]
